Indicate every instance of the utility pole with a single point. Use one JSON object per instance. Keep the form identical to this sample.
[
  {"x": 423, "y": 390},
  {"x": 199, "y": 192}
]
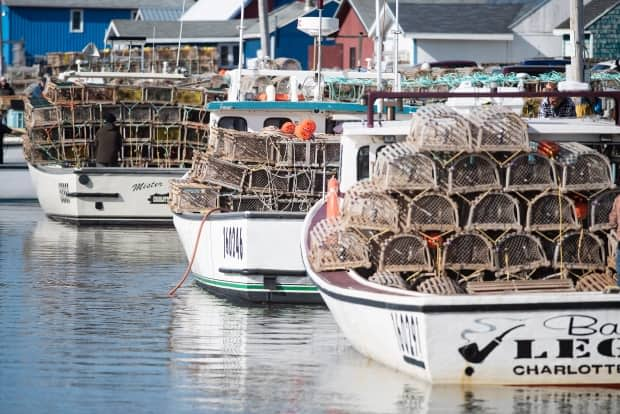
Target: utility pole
[
  {"x": 576, "y": 38},
  {"x": 263, "y": 18},
  {"x": 1, "y": 39}
]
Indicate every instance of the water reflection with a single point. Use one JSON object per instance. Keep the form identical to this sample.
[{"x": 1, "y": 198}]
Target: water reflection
[{"x": 86, "y": 326}]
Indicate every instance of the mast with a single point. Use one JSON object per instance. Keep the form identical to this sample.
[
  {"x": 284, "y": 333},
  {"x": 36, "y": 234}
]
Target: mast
[
  {"x": 396, "y": 33},
  {"x": 575, "y": 71},
  {"x": 378, "y": 44},
  {"x": 263, "y": 18},
  {"x": 240, "y": 63},
  {"x": 319, "y": 5}
]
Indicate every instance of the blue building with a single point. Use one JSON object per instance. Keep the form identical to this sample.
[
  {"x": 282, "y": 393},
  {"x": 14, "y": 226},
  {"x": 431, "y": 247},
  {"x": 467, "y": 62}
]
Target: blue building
[{"x": 64, "y": 25}]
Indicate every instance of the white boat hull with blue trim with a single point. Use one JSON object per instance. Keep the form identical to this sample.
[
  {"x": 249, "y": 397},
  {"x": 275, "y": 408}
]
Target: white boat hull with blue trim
[
  {"x": 111, "y": 195},
  {"x": 563, "y": 338},
  {"x": 15, "y": 182},
  {"x": 248, "y": 256}
]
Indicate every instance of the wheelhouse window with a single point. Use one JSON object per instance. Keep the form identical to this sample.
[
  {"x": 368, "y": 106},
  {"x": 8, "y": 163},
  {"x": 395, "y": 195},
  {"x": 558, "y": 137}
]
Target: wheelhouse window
[
  {"x": 363, "y": 162},
  {"x": 275, "y": 122},
  {"x": 76, "y": 23},
  {"x": 233, "y": 122}
]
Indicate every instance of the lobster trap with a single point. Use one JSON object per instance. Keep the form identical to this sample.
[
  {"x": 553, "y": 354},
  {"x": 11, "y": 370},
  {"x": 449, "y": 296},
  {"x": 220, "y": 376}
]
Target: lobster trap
[
  {"x": 370, "y": 208},
  {"x": 600, "y": 207},
  {"x": 439, "y": 285},
  {"x": 519, "y": 252},
  {"x": 579, "y": 250},
  {"x": 439, "y": 128},
  {"x": 432, "y": 212},
  {"x": 187, "y": 196},
  {"x": 495, "y": 128},
  {"x": 494, "y": 211},
  {"x": 400, "y": 167},
  {"x": 388, "y": 279},
  {"x": 595, "y": 282},
  {"x": 208, "y": 169},
  {"x": 551, "y": 212},
  {"x": 332, "y": 247},
  {"x": 269, "y": 180},
  {"x": 471, "y": 173},
  {"x": 404, "y": 253},
  {"x": 583, "y": 169},
  {"x": 468, "y": 251},
  {"x": 230, "y": 144},
  {"x": 248, "y": 202},
  {"x": 530, "y": 172}
]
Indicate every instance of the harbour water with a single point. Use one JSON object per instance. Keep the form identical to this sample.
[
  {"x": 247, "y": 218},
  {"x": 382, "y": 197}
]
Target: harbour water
[{"x": 86, "y": 326}]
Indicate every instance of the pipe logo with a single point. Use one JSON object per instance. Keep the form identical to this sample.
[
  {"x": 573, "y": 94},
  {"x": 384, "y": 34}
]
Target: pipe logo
[{"x": 476, "y": 355}]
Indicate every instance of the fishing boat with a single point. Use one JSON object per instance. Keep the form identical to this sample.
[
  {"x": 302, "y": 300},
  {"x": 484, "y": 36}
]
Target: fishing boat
[
  {"x": 251, "y": 192},
  {"x": 16, "y": 183},
  {"x": 476, "y": 250}
]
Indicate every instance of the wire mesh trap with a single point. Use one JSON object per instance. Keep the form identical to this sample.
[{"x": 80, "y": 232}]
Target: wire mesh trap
[
  {"x": 187, "y": 196},
  {"x": 579, "y": 250},
  {"x": 583, "y": 169},
  {"x": 439, "y": 128},
  {"x": 494, "y": 211},
  {"x": 400, "y": 167},
  {"x": 595, "y": 282},
  {"x": 367, "y": 207},
  {"x": 600, "y": 207},
  {"x": 551, "y": 212},
  {"x": 531, "y": 172},
  {"x": 518, "y": 252},
  {"x": 472, "y": 173},
  {"x": 332, "y": 247},
  {"x": 432, "y": 211},
  {"x": 468, "y": 251},
  {"x": 404, "y": 253},
  {"x": 389, "y": 279},
  {"x": 439, "y": 285},
  {"x": 230, "y": 144},
  {"x": 495, "y": 128},
  {"x": 209, "y": 169}
]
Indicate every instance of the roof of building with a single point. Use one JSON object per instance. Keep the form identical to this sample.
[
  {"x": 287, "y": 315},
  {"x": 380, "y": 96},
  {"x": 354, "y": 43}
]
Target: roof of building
[
  {"x": 165, "y": 32},
  {"x": 94, "y": 4},
  {"x": 364, "y": 9},
  {"x": 592, "y": 12},
  {"x": 213, "y": 10},
  {"x": 158, "y": 14},
  {"x": 457, "y": 17}
]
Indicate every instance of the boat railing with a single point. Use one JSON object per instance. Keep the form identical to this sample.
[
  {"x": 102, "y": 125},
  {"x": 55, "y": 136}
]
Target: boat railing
[{"x": 375, "y": 95}]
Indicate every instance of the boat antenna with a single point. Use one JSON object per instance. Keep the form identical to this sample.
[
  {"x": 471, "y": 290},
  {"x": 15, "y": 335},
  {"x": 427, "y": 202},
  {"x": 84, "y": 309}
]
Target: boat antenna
[
  {"x": 319, "y": 95},
  {"x": 378, "y": 44},
  {"x": 240, "y": 63},
  {"x": 395, "y": 63},
  {"x": 180, "y": 35}
]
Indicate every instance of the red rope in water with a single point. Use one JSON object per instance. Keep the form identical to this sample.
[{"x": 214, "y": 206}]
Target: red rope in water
[{"x": 191, "y": 261}]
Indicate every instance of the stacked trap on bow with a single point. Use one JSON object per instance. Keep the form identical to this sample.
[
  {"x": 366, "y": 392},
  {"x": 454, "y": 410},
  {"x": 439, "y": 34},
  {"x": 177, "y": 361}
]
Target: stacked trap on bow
[
  {"x": 162, "y": 125},
  {"x": 468, "y": 204},
  {"x": 258, "y": 171}
]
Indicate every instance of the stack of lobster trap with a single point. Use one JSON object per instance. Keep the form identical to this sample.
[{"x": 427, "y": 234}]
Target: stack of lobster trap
[
  {"x": 257, "y": 171},
  {"x": 467, "y": 204},
  {"x": 162, "y": 125}
]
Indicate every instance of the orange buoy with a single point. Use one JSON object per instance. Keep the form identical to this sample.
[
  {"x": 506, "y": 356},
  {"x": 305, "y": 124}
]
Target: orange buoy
[
  {"x": 308, "y": 125},
  {"x": 302, "y": 133},
  {"x": 333, "y": 208},
  {"x": 288, "y": 127}
]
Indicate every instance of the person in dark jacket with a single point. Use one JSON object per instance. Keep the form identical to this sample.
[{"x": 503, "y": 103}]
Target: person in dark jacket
[
  {"x": 108, "y": 143},
  {"x": 5, "y": 88},
  {"x": 3, "y": 130}
]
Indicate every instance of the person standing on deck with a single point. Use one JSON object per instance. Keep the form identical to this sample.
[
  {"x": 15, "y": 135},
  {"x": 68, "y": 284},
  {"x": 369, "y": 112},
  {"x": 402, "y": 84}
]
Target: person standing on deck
[
  {"x": 554, "y": 107},
  {"x": 5, "y": 88},
  {"x": 614, "y": 220},
  {"x": 108, "y": 143}
]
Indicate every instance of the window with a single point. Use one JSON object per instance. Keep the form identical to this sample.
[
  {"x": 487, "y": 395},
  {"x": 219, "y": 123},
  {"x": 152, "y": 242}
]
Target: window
[
  {"x": 363, "y": 162},
  {"x": 224, "y": 62},
  {"x": 276, "y": 122},
  {"x": 233, "y": 122},
  {"x": 76, "y": 23},
  {"x": 133, "y": 15},
  {"x": 352, "y": 58}
]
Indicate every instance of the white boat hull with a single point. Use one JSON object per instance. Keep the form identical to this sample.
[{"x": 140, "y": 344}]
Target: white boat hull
[
  {"x": 248, "y": 256},
  {"x": 15, "y": 182},
  {"x": 564, "y": 338},
  {"x": 105, "y": 195}
]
